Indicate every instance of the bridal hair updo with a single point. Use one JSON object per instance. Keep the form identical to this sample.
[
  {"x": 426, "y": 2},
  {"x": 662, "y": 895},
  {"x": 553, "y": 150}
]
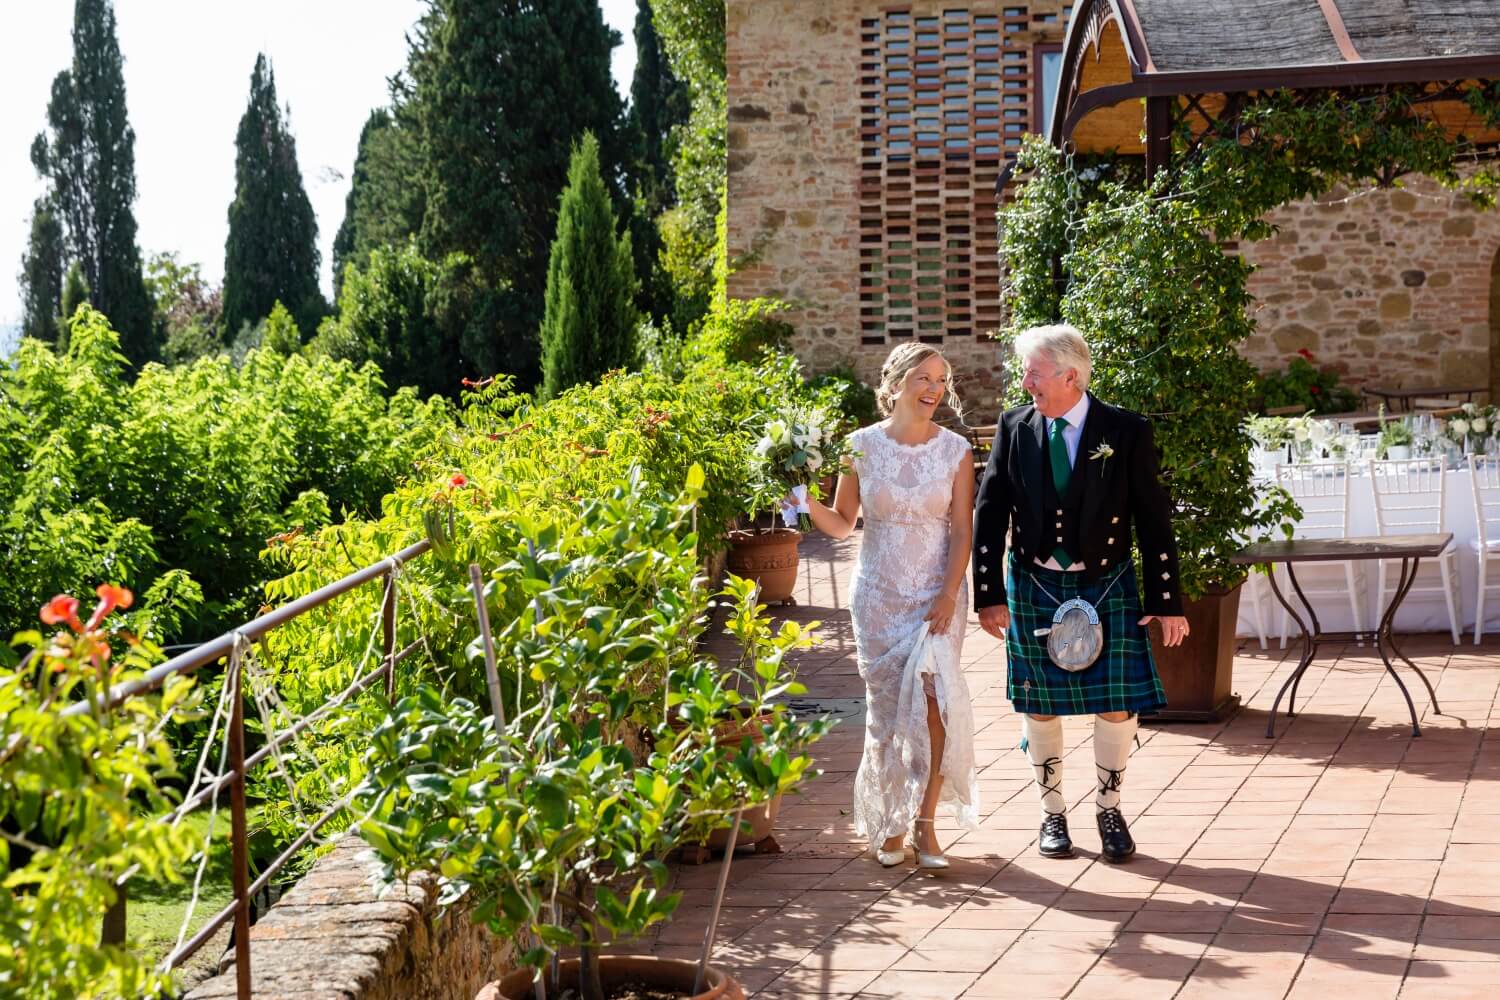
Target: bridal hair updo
[{"x": 902, "y": 362}]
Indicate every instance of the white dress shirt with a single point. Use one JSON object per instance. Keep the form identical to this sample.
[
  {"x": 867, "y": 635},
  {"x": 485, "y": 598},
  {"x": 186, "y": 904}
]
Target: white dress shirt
[{"x": 1072, "y": 434}]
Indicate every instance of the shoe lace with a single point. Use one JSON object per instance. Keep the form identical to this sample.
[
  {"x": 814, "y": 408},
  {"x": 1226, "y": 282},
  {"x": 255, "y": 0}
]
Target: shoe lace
[
  {"x": 1055, "y": 825},
  {"x": 1111, "y": 779},
  {"x": 1110, "y": 821},
  {"x": 1049, "y": 767}
]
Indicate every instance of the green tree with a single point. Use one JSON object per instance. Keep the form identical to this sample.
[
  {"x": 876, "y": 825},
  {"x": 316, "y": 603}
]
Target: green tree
[
  {"x": 271, "y": 254},
  {"x": 658, "y": 105},
  {"x": 497, "y": 91},
  {"x": 693, "y": 35},
  {"x": 42, "y": 274},
  {"x": 75, "y": 293},
  {"x": 188, "y": 308},
  {"x": 89, "y": 159},
  {"x": 385, "y": 201},
  {"x": 589, "y": 324},
  {"x": 405, "y": 313}
]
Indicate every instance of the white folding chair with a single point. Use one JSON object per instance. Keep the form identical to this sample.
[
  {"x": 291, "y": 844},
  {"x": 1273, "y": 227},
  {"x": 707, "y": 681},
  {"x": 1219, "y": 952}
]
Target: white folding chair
[
  {"x": 1321, "y": 489},
  {"x": 1409, "y": 497},
  {"x": 1484, "y": 474}
]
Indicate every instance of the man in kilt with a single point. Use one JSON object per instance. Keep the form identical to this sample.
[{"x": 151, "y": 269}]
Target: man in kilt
[{"x": 1068, "y": 477}]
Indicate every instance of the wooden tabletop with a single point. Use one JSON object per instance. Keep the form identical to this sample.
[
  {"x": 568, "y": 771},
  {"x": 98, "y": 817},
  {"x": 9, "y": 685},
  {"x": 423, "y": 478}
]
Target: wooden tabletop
[
  {"x": 1426, "y": 390},
  {"x": 1338, "y": 549}
]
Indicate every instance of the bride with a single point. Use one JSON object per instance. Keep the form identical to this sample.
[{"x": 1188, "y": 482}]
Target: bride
[{"x": 914, "y": 481}]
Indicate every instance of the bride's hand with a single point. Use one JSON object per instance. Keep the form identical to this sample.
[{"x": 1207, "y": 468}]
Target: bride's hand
[
  {"x": 790, "y": 502},
  {"x": 940, "y": 614}
]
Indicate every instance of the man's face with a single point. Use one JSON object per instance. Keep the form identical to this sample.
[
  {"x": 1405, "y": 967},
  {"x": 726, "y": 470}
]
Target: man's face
[{"x": 1053, "y": 389}]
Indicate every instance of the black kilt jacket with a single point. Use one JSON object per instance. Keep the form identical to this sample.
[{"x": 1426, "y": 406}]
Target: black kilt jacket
[{"x": 1106, "y": 497}]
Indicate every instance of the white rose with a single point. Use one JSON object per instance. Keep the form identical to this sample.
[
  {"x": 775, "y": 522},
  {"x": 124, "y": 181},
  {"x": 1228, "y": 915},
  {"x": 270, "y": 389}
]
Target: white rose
[
  {"x": 778, "y": 431},
  {"x": 1459, "y": 426},
  {"x": 1480, "y": 425},
  {"x": 764, "y": 445},
  {"x": 814, "y": 459}
]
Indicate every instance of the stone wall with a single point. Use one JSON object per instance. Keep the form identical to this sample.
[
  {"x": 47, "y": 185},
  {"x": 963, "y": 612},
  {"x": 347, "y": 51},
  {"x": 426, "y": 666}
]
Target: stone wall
[
  {"x": 1383, "y": 287},
  {"x": 335, "y": 936}
]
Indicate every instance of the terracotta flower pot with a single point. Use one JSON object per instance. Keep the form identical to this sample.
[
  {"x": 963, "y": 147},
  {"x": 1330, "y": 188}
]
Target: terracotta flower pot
[
  {"x": 769, "y": 558},
  {"x": 615, "y": 970}
]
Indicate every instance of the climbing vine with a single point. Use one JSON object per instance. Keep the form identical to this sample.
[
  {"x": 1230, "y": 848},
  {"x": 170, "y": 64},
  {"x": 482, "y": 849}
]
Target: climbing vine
[{"x": 1147, "y": 270}]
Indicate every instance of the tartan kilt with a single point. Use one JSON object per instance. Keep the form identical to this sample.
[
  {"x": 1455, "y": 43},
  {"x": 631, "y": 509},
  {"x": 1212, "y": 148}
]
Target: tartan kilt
[{"x": 1122, "y": 679}]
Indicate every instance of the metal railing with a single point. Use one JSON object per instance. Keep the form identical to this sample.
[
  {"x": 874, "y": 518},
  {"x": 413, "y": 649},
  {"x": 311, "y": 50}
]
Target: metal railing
[{"x": 231, "y": 646}]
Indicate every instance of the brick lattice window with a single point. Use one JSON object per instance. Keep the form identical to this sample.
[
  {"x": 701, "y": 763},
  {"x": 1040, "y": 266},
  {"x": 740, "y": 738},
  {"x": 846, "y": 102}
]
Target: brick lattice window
[{"x": 933, "y": 138}]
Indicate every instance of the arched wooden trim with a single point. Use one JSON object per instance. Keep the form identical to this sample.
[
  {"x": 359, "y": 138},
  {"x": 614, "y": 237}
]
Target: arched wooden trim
[{"x": 1085, "y": 31}]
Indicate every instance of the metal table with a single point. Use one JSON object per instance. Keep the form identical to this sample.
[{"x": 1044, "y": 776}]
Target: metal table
[{"x": 1410, "y": 549}]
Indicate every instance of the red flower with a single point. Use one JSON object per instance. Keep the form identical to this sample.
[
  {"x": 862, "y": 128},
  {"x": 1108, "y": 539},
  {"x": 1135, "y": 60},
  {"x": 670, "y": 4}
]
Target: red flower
[
  {"x": 61, "y": 609},
  {"x": 1314, "y": 389},
  {"x": 458, "y": 480},
  {"x": 110, "y": 597},
  {"x": 1305, "y": 353}
]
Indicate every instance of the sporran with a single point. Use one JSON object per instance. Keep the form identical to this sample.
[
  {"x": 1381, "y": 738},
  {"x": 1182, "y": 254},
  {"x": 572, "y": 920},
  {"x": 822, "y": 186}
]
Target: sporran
[{"x": 1076, "y": 637}]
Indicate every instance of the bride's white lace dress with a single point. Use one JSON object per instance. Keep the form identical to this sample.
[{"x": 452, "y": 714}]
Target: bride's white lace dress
[{"x": 905, "y": 495}]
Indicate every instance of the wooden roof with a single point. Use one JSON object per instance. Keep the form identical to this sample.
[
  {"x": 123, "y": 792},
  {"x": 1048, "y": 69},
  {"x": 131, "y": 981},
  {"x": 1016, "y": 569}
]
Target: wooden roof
[{"x": 1119, "y": 51}]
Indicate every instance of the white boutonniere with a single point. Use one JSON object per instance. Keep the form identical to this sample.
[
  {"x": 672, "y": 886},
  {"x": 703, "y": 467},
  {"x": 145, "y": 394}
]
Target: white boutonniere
[{"x": 1102, "y": 455}]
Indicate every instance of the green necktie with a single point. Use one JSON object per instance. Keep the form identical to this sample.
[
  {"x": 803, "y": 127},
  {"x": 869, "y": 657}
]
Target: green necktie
[{"x": 1057, "y": 450}]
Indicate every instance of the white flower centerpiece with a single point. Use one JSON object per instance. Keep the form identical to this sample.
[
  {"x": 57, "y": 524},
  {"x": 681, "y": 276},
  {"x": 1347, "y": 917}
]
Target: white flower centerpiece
[{"x": 1471, "y": 429}]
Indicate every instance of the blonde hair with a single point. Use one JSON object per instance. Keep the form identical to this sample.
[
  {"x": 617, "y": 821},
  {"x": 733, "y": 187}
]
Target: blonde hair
[
  {"x": 1062, "y": 344},
  {"x": 901, "y": 362}
]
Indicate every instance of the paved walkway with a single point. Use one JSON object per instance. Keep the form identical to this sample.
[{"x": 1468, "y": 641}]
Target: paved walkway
[{"x": 1343, "y": 854}]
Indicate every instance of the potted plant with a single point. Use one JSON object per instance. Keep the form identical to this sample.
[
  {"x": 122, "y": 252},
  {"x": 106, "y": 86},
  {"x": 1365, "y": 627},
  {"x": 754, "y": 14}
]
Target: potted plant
[
  {"x": 545, "y": 820},
  {"x": 796, "y": 443},
  {"x": 1271, "y": 435},
  {"x": 1395, "y": 438}
]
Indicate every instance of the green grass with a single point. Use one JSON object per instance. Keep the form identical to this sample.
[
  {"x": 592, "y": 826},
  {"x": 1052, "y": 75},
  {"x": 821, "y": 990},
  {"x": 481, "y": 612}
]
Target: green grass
[{"x": 156, "y": 908}]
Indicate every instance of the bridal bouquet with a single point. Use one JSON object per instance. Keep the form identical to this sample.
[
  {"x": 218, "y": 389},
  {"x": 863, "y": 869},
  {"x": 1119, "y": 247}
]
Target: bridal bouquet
[{"x": 797, "y": 443}]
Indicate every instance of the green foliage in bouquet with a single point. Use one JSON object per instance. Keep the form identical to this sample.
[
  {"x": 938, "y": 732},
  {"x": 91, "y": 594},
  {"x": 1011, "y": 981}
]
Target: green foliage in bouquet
[
  {"x": 554, "y": 822},
  {"x": 79, "y": 794}
]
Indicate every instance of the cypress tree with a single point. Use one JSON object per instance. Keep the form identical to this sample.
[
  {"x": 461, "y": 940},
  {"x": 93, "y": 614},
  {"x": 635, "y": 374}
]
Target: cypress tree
[
  {"x": 589, "y": 324},
  {"x": 42, "y": 274},
  {"x": 271, "y": 254},
  {"x": 658, "y": 105},
  {"x": 89, "y": 158},
  {"x": 385, "y": 201},
  {"x": 497, "y": 91},
  {"x": 75, "y": 293}
]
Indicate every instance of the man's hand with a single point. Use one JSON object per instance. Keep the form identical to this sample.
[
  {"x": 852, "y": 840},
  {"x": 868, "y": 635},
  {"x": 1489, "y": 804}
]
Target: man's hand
[
  {"x": 1174, "y": 628},
  {"x": 995, "y": 619}
]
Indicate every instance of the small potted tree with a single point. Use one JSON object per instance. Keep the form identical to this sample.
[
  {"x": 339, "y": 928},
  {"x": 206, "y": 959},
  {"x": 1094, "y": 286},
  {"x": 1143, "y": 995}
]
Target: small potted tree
[{"x": 549, "y": 822}]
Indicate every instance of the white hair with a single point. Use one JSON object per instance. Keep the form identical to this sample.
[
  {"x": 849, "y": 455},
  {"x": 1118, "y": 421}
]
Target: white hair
[{"x": 1061, "y": 344}]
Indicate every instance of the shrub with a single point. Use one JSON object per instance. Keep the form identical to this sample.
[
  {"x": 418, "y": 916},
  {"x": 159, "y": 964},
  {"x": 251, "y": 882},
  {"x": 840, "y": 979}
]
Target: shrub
[
  {"x": 78, "y": 799},
  {"x": 190, "y": 468},
  {"x": 1305, "y": 385}
]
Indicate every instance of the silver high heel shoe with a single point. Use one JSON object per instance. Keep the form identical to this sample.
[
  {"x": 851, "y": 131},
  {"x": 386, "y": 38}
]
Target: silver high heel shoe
[
  {"x": 931, "y": 861},
  {"x": 890, "y": 859}
]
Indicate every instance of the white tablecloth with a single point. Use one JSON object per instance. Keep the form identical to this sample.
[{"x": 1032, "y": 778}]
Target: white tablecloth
[{"x": 1420, "y": 612}]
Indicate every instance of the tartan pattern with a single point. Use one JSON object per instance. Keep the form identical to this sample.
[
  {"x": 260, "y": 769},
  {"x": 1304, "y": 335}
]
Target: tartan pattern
[{"x": 1123, "y": 679}]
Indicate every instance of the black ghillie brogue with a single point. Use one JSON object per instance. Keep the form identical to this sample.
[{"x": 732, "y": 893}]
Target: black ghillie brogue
[
  {"x": 1114, "y": 836},
  {"x": 1053, "y": 840}
]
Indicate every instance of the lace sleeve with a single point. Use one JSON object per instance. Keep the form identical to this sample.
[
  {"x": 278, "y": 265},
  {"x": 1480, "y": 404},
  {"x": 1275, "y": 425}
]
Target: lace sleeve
[{"x": 858, "y": 459}]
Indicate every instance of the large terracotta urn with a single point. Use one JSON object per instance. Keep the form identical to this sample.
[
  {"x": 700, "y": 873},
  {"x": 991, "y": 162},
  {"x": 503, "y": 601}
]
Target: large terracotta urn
[{"x": 769, "y": 558}]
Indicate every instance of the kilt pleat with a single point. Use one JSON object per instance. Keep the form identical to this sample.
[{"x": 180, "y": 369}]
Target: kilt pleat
[{"x": 1122, "y": 679}]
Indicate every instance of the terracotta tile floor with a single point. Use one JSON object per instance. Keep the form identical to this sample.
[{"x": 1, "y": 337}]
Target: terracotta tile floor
[{"x": 1343, "y": 854}]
